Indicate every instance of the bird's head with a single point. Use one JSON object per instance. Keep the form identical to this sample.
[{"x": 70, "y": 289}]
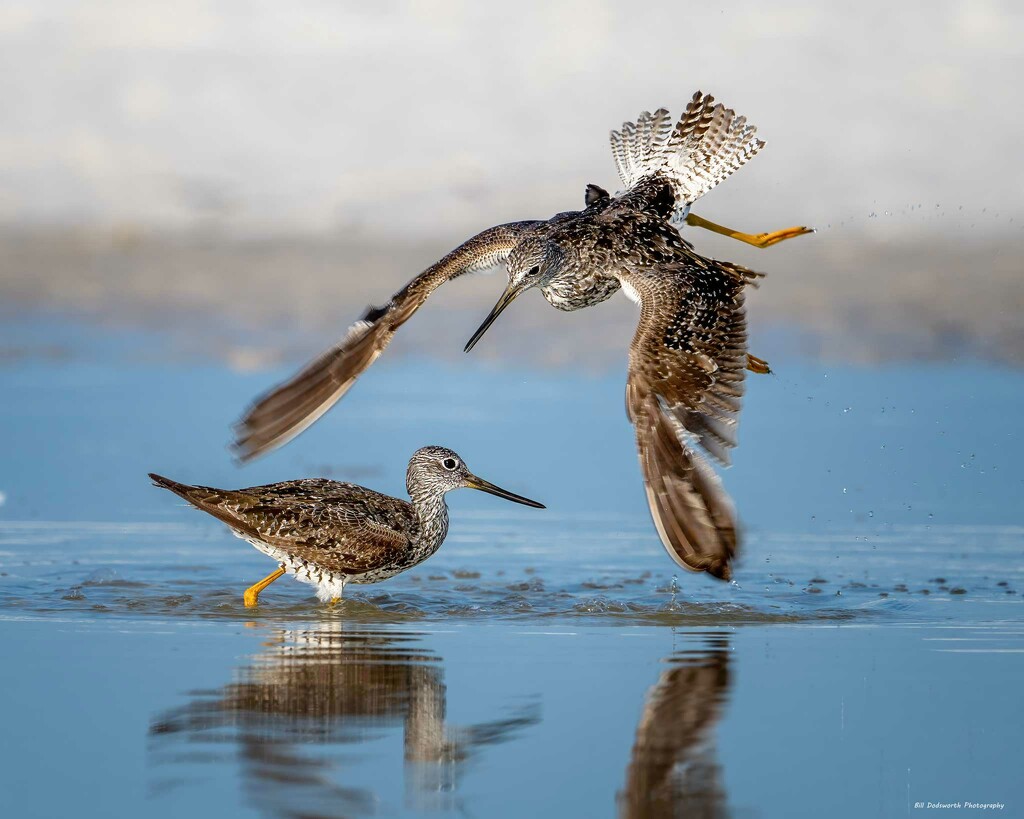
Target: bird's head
[
  {"x": 534, "y": 262},
  {"x": 437, "y": 469}
]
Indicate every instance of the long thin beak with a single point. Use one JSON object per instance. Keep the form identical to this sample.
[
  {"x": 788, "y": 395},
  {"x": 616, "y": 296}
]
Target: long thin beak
[
  {"x": 506, "y": 299},
  {"x": 473, "y": 482}
]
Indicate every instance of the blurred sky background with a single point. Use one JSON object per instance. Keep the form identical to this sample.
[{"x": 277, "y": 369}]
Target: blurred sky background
[{"x": 365, "y": 139}]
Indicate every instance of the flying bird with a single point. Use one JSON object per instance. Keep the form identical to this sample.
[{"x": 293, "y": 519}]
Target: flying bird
[
  {"x": 329, "y": 534},
  {"x": 688, "y": 358}
]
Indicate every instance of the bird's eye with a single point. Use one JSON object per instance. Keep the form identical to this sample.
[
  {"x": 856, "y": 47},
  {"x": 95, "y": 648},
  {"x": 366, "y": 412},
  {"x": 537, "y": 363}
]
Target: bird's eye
[
  {"x": 449, "y": 463},
  {"x": 535, "y": 270}
]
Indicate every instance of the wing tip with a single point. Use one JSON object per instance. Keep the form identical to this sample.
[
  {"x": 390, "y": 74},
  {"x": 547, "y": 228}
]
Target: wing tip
[
  {"x": 692, "y": 514},
  {"x": 718, "y": 567},
  {"x": 721, "y": 570}
]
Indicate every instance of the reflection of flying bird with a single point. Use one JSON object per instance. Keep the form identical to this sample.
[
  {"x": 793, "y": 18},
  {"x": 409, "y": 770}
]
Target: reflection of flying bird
[
  {"x": 328, "y": 533},
  {"x": 331, "y": 686},
  {"x": 688, "y": 356},
  {"x": 672, "y": 769}
]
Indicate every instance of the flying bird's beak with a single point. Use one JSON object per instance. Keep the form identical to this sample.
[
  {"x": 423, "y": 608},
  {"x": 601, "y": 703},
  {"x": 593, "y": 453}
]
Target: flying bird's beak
[
  {"x": 506, "y": 299},
  {"x": 473, "y": 482}
]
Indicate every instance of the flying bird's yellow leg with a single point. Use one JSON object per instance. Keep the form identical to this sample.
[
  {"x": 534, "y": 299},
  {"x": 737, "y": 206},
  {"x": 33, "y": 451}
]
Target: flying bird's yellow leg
[
  {"x": 759, "y": 240},
  {"x": 253, "y": 592},
  {"x": 757, "y": 365}
]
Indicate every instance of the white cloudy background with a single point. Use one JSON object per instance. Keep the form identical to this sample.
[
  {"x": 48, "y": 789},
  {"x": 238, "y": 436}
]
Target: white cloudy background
[{"x": 325, "y": 117}]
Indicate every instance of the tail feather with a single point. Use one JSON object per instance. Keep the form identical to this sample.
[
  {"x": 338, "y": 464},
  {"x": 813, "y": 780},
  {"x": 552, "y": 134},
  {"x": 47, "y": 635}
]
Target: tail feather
[
  {"x": 644, "y": 132},
  {"x": 201, "y": 497},
  {"x": 707, "y": 144},
  {"x": 183, "y": 490}
]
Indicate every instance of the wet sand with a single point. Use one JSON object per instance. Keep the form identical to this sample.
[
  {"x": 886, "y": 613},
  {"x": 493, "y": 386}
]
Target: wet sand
[{"x": 871, "y": 291}]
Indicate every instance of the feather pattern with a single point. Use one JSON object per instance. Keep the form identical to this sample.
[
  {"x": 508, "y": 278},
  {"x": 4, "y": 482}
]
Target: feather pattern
[
  {"x": 285, "y": 411},
  {"x": 330, "y": 533},
  {"x": 688, "y": 357},
  {"x": 686, "y": 370},
  {"x": 708, "y": 143}
]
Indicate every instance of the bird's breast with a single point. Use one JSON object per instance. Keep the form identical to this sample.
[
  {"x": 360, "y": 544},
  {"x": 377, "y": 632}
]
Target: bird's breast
[{"x": 582, "y": 289}]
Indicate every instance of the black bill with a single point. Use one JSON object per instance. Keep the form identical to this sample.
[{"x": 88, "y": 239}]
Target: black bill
[
  {"x": 485, "y": 486},
  {"x": 506, "y": 299}
]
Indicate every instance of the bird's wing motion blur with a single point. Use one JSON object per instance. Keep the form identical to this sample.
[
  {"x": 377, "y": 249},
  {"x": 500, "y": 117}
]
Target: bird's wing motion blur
[
  {"x": 666, "y": 168},
  {"x": 286, "y": 410},
  {"x": 309, "y": 519},
  {"x": 686, "y": 370}
]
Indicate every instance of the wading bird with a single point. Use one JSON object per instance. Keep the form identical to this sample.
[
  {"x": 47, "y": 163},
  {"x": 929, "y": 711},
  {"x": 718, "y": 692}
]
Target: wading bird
[
  {"x": 330, "y": 534},
  {"x": 687, "y": 359}
]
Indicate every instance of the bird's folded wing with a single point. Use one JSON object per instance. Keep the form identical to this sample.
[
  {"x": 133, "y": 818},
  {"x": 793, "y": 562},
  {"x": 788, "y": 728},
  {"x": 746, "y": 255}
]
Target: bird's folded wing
[
  {"x": 282, "y": 413},
  {"x": 299, "y": 522},
  {"x": 684, "y": 387},
  {"x": 344, "y": 540}
]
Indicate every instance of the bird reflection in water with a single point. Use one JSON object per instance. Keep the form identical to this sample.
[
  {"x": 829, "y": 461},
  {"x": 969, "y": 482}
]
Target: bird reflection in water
[
  {"x": 672, "y": 770},
  {"x": 311, "y": 691}
]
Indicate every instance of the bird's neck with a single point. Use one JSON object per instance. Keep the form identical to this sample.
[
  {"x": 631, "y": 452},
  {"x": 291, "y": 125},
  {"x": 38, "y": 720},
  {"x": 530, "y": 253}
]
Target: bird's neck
[{"x": 431, "y": 516}]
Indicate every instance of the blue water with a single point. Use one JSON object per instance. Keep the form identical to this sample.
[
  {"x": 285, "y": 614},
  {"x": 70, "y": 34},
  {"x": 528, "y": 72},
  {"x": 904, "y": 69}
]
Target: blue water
[{"x": 549, "y": 663}]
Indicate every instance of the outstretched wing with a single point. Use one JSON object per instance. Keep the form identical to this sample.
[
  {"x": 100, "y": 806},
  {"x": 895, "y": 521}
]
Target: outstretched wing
[
  {"x": 282, "y": 413},
  {"x": 686, "y": 370},
  {"x": 665, "y": 169}
]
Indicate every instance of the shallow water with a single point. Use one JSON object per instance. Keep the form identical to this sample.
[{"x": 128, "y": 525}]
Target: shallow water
[{"x": 868, "y": 656}]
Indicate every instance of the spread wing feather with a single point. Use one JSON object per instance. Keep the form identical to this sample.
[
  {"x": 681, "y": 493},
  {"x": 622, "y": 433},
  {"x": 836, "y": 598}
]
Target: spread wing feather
[
  {"x": 707, "y": 144},
  {"x": 282, "y": 413},
  {"x": 686, "y": 371}
]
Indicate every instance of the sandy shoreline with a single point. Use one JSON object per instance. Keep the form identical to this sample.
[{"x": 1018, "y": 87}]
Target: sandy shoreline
[{"x": 838, "y": 295}]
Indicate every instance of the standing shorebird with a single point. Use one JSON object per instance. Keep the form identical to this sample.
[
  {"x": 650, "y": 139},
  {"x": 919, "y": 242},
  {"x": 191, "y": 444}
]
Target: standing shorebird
[
  {"x": 688, "y": 357},
  {"x": 329, "y": 534}
]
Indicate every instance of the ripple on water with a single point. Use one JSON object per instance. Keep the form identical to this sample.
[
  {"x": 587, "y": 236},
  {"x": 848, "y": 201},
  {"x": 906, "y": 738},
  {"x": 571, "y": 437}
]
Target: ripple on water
[{"x": 105, "y": 574}]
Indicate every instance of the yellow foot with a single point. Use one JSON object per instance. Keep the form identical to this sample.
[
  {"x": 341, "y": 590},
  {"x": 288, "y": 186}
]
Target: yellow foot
[
  {"x": 768, "y": 239},
  {"x": 760, "y": 240},
  {"x": 251, "y": 596},
  {"x": 757, "y": 365}
]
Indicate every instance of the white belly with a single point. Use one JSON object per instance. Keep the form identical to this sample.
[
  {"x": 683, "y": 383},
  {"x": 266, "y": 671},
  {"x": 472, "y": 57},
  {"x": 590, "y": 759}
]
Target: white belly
[
  {"x": 329, "y": 586},
  {"x": 630, "y": 291}
]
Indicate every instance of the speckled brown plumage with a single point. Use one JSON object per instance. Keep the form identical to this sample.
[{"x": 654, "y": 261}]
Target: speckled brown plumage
[
  {"x": 329, "y": 533},
  {"x": 688, "y": 356}
]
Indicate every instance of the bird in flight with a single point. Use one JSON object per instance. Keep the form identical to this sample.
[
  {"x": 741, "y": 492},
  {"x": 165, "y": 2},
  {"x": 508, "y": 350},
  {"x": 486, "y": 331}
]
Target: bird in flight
[
  {"x": 328, "y": 533},
  {"x": 688, "y": 358}
]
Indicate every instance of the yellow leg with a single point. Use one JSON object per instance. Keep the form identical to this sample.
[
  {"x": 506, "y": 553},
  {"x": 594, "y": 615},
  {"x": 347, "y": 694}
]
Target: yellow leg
[
  {"x": 757, "y": 365},
  {"x": 253, "y": 592},
  {"x": 336, "y": 600},
  {"x": 760, "y": 240}
]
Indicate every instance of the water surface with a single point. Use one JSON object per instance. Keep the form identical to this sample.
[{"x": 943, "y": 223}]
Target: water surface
[{"x": 553, "y": 662}]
